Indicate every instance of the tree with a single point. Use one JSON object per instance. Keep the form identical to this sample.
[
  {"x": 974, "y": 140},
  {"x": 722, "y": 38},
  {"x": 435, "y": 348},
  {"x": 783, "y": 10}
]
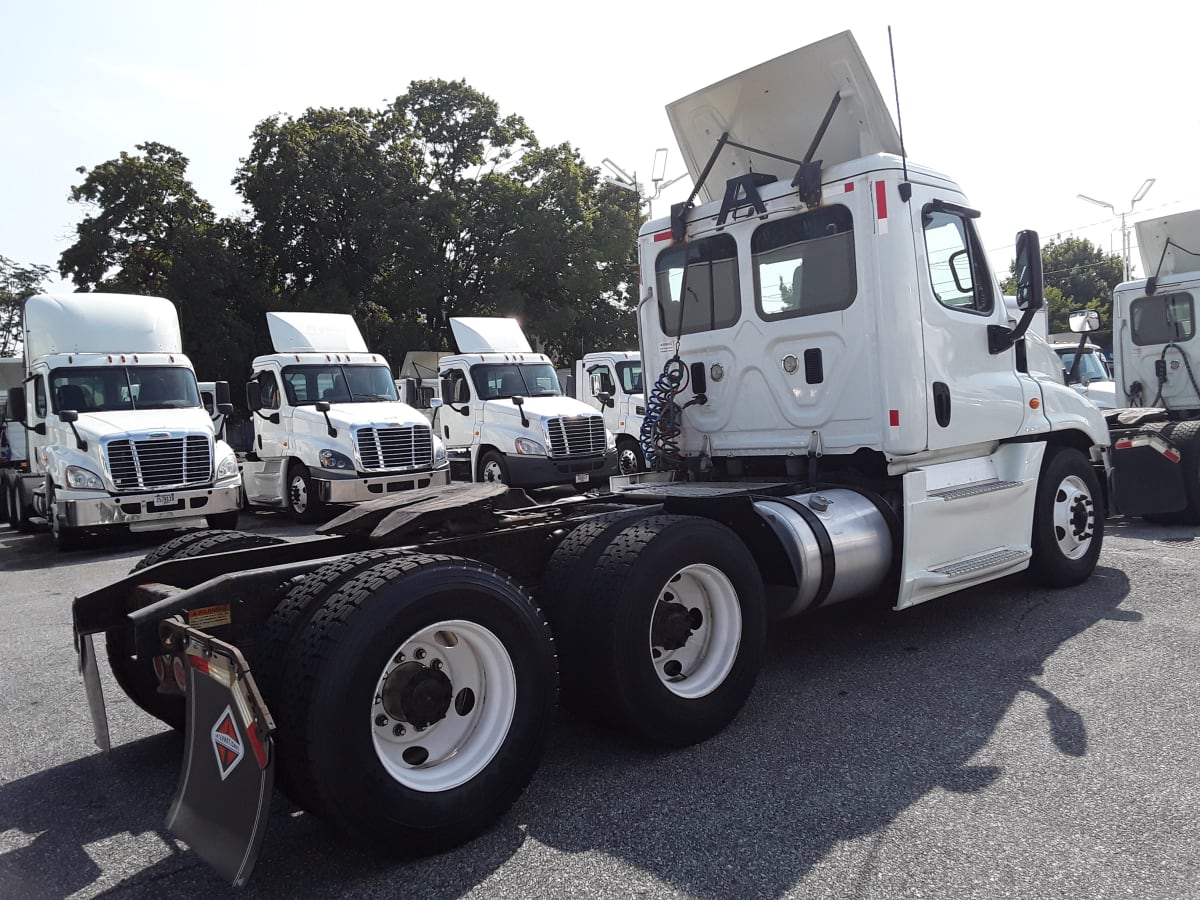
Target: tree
[
  {"x": 1078, "y": 276},
  {"x": 150, "y": 233},
  {"x": 16, "y": 283}
]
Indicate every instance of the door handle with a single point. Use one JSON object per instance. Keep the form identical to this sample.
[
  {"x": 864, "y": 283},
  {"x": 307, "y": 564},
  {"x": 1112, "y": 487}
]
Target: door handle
[{"x": 941, "y": 403}]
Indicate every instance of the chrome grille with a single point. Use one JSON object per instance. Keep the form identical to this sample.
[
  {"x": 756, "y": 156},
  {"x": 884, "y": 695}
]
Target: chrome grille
[
  {"x": 160, "y": 462},
  {"x": 402, "y": 447},
  {"x": 575, "y": 435}
]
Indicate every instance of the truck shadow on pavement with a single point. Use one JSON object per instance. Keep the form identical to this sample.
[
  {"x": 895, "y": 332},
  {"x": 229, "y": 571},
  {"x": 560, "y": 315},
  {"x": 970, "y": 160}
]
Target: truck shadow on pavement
[{"x": 858, "y": 713}]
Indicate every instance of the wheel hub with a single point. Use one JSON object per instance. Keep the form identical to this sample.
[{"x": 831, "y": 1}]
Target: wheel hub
[
  {"x": 1081, "y": 517},
  {"x": 417, "y": 694},
  {"x": 673, "y": 624}
]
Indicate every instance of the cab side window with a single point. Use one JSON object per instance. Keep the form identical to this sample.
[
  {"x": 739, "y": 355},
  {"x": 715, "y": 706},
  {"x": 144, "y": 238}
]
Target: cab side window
[
  {"x": 39, "y": 397},
  {"x": 270, "y": 390},
  {"x": 957, "y": 268}
]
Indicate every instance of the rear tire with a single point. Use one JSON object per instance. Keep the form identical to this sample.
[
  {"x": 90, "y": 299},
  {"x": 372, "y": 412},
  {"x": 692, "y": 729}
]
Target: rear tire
[
  {"x": 66, "y": 538},
  {"x": 19, "y": 509},
  {"x": 671, "y": 628},
  {"x": 1068, "y": 521},
  {"x": 424, "y": 695},
  {"x": 630, "y": 458},
  {"x": 136, "y": 674}
]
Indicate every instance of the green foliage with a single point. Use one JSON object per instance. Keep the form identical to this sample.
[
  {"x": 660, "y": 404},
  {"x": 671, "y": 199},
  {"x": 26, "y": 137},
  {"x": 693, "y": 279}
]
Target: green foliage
[
  {"x": 16, "y": 283},
  {"x": 1078, "y": 276}
]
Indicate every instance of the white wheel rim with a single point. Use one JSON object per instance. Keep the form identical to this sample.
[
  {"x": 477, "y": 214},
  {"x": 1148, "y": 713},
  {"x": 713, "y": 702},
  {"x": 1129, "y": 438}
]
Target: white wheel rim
[
  {"x": 1074, "y": 517},
  {"x": 703, "y": 662},
  {"x": 628, "y": 461},
  {"x": 457, "y": 747},
  {"x": 299, "y": 495},
  {"x": 493, "y": 472}
]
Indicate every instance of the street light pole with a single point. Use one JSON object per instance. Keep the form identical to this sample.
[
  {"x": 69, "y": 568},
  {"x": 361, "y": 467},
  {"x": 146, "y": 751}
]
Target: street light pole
[{"x": 1142, "y": 191}]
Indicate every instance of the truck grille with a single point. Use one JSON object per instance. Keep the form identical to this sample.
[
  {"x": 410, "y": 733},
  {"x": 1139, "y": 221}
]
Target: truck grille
[
  {"x": 575, "y": 435},
  {"x": 404, "y": 447},
  {"x": 160, "y": 462}
]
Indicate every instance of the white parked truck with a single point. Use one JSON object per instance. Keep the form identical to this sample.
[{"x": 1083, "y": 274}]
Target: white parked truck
[
  {"x": 1156, "y": 367},
  {"x": 841, "y": 409},
  {"x": 611, "y": 381},
  {"x": 111, "y": 416},
  {"x": 329, "y": 427},
  {"x": 504, "y": 417},
  {"x": 1085, "y": 370}
]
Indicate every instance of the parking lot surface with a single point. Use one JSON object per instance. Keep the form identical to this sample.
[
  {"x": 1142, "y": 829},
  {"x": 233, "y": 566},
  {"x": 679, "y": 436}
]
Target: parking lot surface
[{"x": 1003, "y": 742}]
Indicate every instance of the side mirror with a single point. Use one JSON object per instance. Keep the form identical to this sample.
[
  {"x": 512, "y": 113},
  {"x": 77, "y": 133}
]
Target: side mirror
[
  {"x": 606, "y": 399},
  {"x": 518, "y": 400},
  {"x": 221, "y": 392},
  {"x": 225, "y": 409},
  {"x": 16, "y": 404},
  {"x": 1084, "y": 320},
  {"x": 1028, "y": 271},
  {"x": 322, "y": 406},
  {"x": 254, "y": 401},
  {"x": 435, "y": 402},
  {"x": 68, "y": 415}
]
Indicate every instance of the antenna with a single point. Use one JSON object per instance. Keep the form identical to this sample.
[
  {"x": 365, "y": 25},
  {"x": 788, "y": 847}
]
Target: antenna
[{"x": 906, "y": 188}]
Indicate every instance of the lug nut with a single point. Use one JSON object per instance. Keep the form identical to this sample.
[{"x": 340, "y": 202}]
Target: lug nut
[
  {"x": 437, "y": 664},
  {"x": 398, "y": 731},
  {"x": 420, "y": 654},
  {"x": 381, "y": 720},
  {"x": 399, "y": 658}
]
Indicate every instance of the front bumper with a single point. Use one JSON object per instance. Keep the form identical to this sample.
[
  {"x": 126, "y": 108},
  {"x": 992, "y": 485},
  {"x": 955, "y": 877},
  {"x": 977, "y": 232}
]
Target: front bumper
[
  {"x": 354, "y": 488},
  {"x": 148, "y": 511},
  {"x": 541, "y": 471}
]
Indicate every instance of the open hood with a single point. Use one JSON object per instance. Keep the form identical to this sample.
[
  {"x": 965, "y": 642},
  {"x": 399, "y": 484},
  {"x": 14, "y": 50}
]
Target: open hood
[
  {"x": 778, "y": 106},
  {"x": 1182, "y": 229},
  {"x": 294, "y": 332},
  {"x": 483, "y": 334}
]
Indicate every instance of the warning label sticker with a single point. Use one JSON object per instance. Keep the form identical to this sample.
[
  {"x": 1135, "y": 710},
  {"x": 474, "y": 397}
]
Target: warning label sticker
[{"x": 210, "y": 616}]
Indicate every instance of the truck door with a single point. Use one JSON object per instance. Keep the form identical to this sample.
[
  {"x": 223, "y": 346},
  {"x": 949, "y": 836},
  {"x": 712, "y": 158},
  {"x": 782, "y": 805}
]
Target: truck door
[
  {"x": 265, "y": 479},
  {"x": 972, "y": 396},
  {"x": 456, "y": 429}
]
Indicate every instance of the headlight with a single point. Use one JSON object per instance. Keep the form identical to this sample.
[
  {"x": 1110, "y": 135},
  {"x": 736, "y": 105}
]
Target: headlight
[
  {"x": 227, "y": 467},
  {"x": 528, "y": 447},
  {"x": 610, "y": 440},
  {"x": 439, "y": 453},
  {"x": 83, "y": 479},
  {"x": 331, "y": 459}
]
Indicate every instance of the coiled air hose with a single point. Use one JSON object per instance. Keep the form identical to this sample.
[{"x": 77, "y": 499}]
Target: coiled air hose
[
  {"x": 659, "y": 435},
  {"x": 1161, "y": 371}
]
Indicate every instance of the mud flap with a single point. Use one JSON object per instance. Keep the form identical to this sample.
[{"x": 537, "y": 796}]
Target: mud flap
[
  {"x": 224, "y": 795},
  {"x": 1147, "y": 476}
]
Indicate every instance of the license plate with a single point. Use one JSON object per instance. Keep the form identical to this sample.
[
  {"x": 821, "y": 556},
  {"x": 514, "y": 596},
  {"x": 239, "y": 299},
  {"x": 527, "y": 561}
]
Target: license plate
[
  {"x": 582, "y": 479},
  {"x": 164, "y": 499}
]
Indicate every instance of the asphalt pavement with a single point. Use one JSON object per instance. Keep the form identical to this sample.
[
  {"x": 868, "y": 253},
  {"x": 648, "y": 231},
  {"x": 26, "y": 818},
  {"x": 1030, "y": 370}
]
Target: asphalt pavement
[{"x": 1003, "y": 742}]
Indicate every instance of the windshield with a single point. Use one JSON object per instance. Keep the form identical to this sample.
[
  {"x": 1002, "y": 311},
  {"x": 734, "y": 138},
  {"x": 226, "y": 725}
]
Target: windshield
[
  {"x": 1091, "y": 366},
  {"x": 494, "y": 381},
  {"x": 123, "y": 387},
  {"x": 305, "y": 385}
]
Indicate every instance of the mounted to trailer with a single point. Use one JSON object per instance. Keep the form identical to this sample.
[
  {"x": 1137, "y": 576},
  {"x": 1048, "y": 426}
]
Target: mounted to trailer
[{"x": 839, "y": 407}]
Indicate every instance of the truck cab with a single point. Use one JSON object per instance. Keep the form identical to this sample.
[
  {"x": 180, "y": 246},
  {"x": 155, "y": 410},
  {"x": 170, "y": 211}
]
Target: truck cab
[
  {"x": 611, "y": 382},
  {"x": 111, "y": 414},
  {"x": 329, "y": 427},
  {"x": 505, "y": 418}
]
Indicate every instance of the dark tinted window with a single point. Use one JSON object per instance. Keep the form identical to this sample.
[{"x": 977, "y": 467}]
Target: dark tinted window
[
  {"x": 711, "y": 297},
  {"x": 804, "y": 265},
  {"x": 1163, "y": 318}
]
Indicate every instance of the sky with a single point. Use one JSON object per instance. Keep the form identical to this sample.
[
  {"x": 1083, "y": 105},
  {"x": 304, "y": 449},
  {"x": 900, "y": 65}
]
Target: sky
[{"x": 1025, "y": 105}]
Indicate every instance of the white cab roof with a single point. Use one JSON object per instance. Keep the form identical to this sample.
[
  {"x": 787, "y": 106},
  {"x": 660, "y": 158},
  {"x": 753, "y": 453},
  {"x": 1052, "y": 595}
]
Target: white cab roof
[
  {"x": 484, "y": 334},
  {"x": 295, "y": 332},
  {"x": 1181, "y": 228},
  {"x": 778, "y": 106},
  {"x": 100, "y": 323}
]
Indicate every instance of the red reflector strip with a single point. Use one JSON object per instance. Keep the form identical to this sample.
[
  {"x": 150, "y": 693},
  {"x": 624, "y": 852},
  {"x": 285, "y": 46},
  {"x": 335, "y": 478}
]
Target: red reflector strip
[
  {"x": 880, "y": 200},
  {"x": 199, "y": 663},
  {"x": 1123, "y": 444},
  {"x": 260, "y": 751},
  {"x": 1172, "y": 455},
  {"x": 662, "y": 236},
  {"x": 894, "y": 416},
  {"x": 847, "y": 187},
  {"x": 1153, "y": 441}
]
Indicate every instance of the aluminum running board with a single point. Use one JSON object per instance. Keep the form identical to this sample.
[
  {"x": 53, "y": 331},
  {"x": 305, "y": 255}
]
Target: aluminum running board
[
  {"x": 973, "y": 490},
  {"x": 985, "y": 562}
]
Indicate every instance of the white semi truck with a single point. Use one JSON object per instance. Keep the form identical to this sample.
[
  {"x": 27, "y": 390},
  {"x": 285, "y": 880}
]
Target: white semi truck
[
  {"x": 611, "y": 382},
  {"x": 505, "y": 419},
  {"x": 110, "y": 415},
  {"x": 840, "y": 408},
  {"x": 1156, "y": 368},
  {"x": 329, "y": 427}
]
